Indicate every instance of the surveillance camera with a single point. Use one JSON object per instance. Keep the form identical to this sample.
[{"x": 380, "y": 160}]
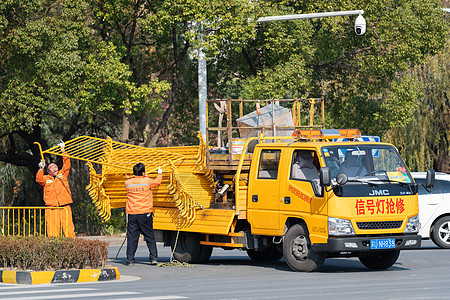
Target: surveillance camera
[{"x": 360, "y": 25}]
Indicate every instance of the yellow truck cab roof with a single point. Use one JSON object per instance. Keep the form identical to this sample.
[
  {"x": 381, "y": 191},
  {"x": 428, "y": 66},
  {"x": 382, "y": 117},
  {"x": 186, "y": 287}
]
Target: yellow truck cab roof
[
  {"x": 317, "y": 138},
  {"x": 318, "y": 145}
]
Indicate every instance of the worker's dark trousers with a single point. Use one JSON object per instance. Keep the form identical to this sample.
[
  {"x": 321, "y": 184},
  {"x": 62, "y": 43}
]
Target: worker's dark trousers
[{"x": 137, "y": 224}]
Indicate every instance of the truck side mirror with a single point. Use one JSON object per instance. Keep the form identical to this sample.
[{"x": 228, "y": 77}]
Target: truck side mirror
[
  {"x": 324, "y": 175},
  {"x": 429, "y": 182}
]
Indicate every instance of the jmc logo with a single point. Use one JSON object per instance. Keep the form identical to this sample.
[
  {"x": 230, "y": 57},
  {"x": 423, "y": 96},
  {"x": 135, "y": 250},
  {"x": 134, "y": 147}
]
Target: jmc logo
[{"x": 379, "y": 193}]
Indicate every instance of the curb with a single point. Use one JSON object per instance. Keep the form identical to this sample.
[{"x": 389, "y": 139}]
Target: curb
[{"x": 62, "y": 276}]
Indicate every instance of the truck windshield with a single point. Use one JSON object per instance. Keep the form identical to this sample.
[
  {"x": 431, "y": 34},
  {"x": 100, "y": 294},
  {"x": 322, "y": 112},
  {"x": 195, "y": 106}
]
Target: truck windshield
[{"x": 366, "y": 163}]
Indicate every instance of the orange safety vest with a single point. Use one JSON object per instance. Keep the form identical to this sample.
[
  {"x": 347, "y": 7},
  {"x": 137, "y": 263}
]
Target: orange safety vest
[
  {"x": 56, "y": 189},
  {"x": 139, "y": 194}
]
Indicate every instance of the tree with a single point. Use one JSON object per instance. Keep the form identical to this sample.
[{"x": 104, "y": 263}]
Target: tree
[
  {"x": 424, "y": 141},
  {"x": 158, "y": 39},
  {"x": 58, "y": 80}
]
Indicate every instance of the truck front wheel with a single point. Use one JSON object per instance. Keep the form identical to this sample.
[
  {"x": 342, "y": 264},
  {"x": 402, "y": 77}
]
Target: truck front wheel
[
  {"x": 379, "y": 260},
  {"x": 298, "y": 252}
]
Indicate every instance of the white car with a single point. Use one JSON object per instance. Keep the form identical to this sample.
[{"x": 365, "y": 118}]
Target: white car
[{"x": 434, "y": 209}]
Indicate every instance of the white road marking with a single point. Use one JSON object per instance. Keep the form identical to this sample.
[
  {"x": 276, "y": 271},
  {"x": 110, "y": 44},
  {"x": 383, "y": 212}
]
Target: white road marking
[
  {"x": 69, "y": 296},
  {"x": 169, "y": 297},
  {"x": 46, "y": 291}
]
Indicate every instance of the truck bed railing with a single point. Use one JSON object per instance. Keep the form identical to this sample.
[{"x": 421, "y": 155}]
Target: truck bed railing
[{"x": 228, "y": 159}]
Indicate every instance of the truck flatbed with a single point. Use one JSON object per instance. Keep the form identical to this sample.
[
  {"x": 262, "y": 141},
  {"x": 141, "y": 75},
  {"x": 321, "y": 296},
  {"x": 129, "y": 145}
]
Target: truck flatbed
[{"x": 222, "y": 162}]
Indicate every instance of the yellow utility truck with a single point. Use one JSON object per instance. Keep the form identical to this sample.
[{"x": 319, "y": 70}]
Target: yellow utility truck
[{"x": 306, "y": 197}]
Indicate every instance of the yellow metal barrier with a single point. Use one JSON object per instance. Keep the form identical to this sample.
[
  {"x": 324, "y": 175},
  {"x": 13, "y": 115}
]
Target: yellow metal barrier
[
  {"x": 115, "y": 157},
  {"x": 28, "y": 220},
  {"x": 185, "y": 176}
]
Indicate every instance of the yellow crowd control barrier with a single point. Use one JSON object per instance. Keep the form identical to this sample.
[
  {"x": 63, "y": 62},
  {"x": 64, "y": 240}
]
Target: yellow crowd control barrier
[
  {"x": 187, "y": 183},
  {"x": 115, "y": 157},
  {"x": 28, "y": 220}
]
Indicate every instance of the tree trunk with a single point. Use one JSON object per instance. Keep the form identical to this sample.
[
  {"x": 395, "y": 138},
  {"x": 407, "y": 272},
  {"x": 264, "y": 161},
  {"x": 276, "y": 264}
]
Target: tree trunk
[
  {"x": 442, "y": 163},
  {"x": 3, "y": 193},
  {"x": 125, "y": 127},
  {"x": 154, "y": 139}
]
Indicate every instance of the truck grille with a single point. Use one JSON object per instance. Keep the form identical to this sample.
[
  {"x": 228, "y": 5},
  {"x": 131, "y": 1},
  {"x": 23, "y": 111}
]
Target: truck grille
[{"x": 379, "y": 225}]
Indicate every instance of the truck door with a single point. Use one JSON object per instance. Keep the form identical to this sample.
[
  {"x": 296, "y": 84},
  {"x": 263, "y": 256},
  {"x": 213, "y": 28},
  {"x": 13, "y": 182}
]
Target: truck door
[
  {"x": 302, "y": 193},
  {"x": 263, "y": 193}
]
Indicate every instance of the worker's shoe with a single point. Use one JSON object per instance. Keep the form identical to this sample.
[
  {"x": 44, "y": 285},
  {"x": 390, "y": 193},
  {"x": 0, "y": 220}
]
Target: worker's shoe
[
  {"x": 153, "y": 262},
  {"x": 130, "y": 264}
]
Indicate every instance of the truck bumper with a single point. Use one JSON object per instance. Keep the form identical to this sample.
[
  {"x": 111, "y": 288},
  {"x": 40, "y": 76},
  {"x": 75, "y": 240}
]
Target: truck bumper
[{"x": 362, "y": 244}]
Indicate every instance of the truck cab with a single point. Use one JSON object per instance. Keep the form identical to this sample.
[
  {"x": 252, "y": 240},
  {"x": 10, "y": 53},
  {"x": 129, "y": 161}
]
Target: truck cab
[{"x": 333, "y": 199}]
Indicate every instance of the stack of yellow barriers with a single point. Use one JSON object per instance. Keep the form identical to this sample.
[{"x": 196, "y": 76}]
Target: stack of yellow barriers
[{"x": 186, "y": 187}]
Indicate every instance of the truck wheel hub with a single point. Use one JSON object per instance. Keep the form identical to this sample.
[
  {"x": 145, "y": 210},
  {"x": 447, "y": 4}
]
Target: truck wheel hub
[{"x": 300, "y": 248}]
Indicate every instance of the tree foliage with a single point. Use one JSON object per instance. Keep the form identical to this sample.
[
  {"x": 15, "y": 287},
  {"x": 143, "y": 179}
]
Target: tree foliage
[
  {"x": 424, "y": 141},
  {"x": 359, "y": 76},
  {"x": 157, "y": 40},
  {"x": 55, "y": 70}
]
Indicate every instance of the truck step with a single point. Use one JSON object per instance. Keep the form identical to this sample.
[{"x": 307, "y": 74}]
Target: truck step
[
  {"x": 221, "y": 244},
  {"x": 235, "y": 234}
]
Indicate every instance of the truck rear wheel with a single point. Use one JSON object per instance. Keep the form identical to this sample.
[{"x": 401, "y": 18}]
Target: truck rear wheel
[
  {"x": 379, "y": 260},
  {"x": 204, "y": 254},
  {"x": 187, "y": 248},
  {"x": 298, "y": 252}
]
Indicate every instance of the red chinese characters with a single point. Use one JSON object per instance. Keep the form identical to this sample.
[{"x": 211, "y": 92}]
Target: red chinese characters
[
  {"x": 390, "y": 206},
  {"x": 400, "y": 205},
  {"x": 379, "y": 206},
  {"x": 370, "y": 205},
  {"x": 299, "y": 194},
  {"x": 360, "y": 208}
]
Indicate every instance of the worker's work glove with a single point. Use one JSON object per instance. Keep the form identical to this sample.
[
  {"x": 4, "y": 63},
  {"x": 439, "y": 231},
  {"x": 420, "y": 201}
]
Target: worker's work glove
[
  {"x": 41, "y": 164},
  {"x": 159, "y": 170},
  {"x": 62, "y": 145}
]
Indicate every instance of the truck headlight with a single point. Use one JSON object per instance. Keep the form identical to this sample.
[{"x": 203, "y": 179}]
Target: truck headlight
[
  {"x": 413, "y": 225},
  {"x": 339, "y": 227}
]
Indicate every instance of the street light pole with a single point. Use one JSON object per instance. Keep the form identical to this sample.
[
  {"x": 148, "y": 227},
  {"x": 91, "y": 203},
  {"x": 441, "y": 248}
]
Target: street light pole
[
  {"x": 310, "y": 16},
  {"x": 202, "y": 91}
]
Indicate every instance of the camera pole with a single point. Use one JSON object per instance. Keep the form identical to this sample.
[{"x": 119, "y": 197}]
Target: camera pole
[{"x": 310, "y": 16}]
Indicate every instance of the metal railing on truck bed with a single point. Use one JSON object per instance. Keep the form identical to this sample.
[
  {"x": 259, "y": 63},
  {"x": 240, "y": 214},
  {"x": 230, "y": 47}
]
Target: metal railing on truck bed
[{"x": 302, "y": 114}]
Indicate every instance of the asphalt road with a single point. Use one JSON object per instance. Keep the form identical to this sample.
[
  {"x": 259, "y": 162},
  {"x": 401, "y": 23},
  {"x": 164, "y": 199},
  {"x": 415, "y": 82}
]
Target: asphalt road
[{"x": 418, "y": 274}]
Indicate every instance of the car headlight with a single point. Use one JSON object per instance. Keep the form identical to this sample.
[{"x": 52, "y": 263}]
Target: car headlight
[
  {"x": 339, "y": 227},
  {"x": 413, "y": 225}
]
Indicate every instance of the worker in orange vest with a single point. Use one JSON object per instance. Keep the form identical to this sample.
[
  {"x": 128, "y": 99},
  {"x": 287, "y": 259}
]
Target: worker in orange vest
[
  {"x": 139, "y": 209},
  {"x": 57, "y": 194}
]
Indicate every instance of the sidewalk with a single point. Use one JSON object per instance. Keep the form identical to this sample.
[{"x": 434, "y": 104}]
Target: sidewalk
[{"x": 115, "y": 240}]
